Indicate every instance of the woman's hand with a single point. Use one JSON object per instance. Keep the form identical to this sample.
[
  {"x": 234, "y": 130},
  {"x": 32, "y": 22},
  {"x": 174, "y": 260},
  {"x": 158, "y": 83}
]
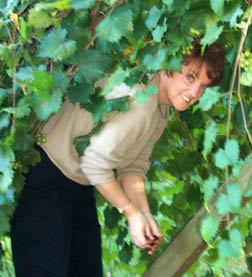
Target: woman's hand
[
  {"x": 158, "y": 237},
  {"x": 143, "y": 229},
  {"x": 139, "y": 227}
]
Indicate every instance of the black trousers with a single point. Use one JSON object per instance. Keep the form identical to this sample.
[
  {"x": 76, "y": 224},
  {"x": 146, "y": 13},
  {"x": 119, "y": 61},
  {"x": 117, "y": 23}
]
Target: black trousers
[{"x": 55, "y": 231}]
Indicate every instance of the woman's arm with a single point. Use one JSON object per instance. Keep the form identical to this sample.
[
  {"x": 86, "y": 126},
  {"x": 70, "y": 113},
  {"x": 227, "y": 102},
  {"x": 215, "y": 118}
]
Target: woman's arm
[
  {"x": 134, "y": 188},
  {"x": 139, "y": 226}
]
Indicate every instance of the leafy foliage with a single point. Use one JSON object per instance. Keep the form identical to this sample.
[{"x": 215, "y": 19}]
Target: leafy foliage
[
  {"x": 209, "y": 138},
  {"x": 209, "y": 228},
  {"x": 228, "y": 156},
  {"x": 52, "y": 51},
  {"x": 231, "y": 202}
]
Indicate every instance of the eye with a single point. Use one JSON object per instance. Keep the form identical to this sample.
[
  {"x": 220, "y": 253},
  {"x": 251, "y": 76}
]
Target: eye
[{"x": 190, "y": 78}]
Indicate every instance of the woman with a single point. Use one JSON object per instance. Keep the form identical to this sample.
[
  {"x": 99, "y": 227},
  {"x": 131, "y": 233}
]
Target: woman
[{"x": 55, "y": 231}]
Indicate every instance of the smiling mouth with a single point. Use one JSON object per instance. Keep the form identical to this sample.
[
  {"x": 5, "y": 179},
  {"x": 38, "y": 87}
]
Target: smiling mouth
[{"x": 185, "y": 98}]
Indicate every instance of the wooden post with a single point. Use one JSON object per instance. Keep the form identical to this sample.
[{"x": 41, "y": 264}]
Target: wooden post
[{"x": 188, "y": 245}]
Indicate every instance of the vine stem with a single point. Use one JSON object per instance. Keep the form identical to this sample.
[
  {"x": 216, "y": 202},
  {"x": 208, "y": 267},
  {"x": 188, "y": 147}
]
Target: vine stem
[
  {"x": 96, "y": 35},
  {"x": 241, "y": 104},
  {"x": 14, "y": 81},
  {"x": 238, "y": 56},
  {"x": 237, "y": 60}
]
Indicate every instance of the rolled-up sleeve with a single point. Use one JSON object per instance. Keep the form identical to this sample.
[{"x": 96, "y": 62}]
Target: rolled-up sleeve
[
  {"x": 109, "y": 146},
  {"x": 140, "y": 166}
]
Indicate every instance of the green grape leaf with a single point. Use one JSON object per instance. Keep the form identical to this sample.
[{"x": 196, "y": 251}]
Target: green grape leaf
[
  {"x": 4, "y": 120},
  {"x": 110, "y": 2},
  {"x": 230, "y": 202},
  {"x": 209, "y": 228},
  {"x": 4, "y": 93},
  {"x": 5, "y": 223},
  {"x": 7, "y": 158},
  {"x": 6, "y": 52},
  {"x": 153, "y": 17},
  {"x": 7, "y": 197},
  {"x": 6, "y": 179},
  {"x": 235, "y": 194},
  {"x": 9, "y": 6},
  {"x": 126, "y": 253},
  {"x": 112, "y": 216},
  {"x": 81, "y": 143},
  {"x": 92, "y": 65},
  {"x": 233, "y": 247},
  {"x": 80, "y": 4},
  {"x": 232, "y": 151},
  {"x": 23, "y": 140},
  {"x": 231, "y": 12},
  {"x": 223, "y": 204},
  {"x": 159, "y": 32},
  {"x": 217, "y": 6},
  {"x": 98, "y": 109},
  {"x": 25, "y": 30},
  {"x": 212, "y": 34},
  {"x": 248, "y": 192},
  {"x": 62, "y": 80},
  {"x": 246, "y": 78},
  {"x": 115, "y": 79},
  {"x": 177, "y": 187},
  {"x": 221, "y": 159},
  {"x": 174, "y": 63},
  {"x": 39, "y": 19},
  {"x": 153, "y": 205},
  {"x": 179, "y": 6},
  {"x": 208, "y": 99},
  {"x": 117, "y": 25},
  {"x": 43, "y": 84},
  {"x": 209, "y": 186},
  {"x": 119, "y": 104},
  {"x": 121, "y": 235},
  {"x": 55, "y": 46},
  {"x": 142, "y": 95},
  {"x": 60, "y": 5},
  {"x": 155, "y": 62},
  {"x": 80, "y": 94},
  {"x": 168, "y": 2},
  {"x": 23, "y": 109},
  {"x": 44, "y": 109},
  {"x": 25, "y": 73},
  {"x": 237, "y": 168},
  {"x": 209, "y": 138}
]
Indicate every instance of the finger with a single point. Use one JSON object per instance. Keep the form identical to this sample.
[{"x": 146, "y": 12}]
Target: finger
[
  {"x": 140, "y": 241},
  {"x": 148, "y": 234},
  {"x": 155, "y": 231}
]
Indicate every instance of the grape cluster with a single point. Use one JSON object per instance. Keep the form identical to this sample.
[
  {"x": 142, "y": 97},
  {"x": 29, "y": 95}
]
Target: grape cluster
[
  {"x": 40, "y": 138},
  {"x": 196, "y": 33},
  {"x": 246, "y": 60},
  {"x": 17, "y": 165},
  {"x": 186, "y": 50}
]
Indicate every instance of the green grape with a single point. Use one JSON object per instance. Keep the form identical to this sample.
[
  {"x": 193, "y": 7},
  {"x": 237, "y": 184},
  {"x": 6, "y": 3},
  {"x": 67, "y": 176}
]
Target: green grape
[
  {"x": 186, "y": 50},
  {"x": 246, "y": 60},
  {"x": 17, "y": 165},
  {"x": 196, "y": 33},
  {"x": 40, "y": 138}
]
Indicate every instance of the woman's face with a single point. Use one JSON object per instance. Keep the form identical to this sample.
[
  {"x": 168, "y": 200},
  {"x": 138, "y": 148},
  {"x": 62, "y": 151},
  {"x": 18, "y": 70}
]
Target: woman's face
[{"x": 181, "y": 90}]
